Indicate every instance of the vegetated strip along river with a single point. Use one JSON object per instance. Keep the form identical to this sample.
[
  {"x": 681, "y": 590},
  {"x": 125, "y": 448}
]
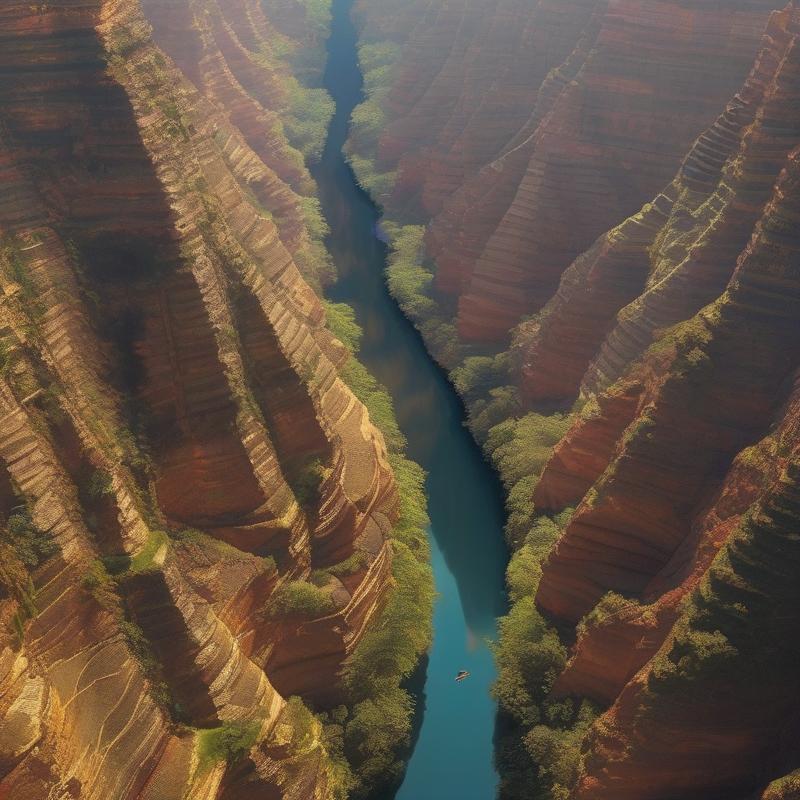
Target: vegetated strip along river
[{"x": 453, "y": 756}]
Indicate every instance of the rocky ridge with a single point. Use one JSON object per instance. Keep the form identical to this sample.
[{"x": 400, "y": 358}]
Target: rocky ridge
[
  {"x": 183, "y": 465},
  {"x": 644, "y": 418}
]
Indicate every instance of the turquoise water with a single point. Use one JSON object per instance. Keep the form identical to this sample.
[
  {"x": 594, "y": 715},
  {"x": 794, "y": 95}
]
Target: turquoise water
[{"x": 453, "y": 754}]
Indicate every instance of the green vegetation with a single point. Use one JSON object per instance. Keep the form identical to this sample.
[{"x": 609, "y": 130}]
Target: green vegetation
[
  {"x": 557, "y": 750},
  {"x": 530, "y": 655},
  {"x": 307, "y": 119},
  {"x": 300, "y": 599},
  {"x": 101, "y": 586},
  {"x": 306, "y": 483},
  {"x": 122, "y": 42},
  {"x": 28, "y": 298},
  {"x": 357, "y": 562},
  {"x": 379, "y": 724},
  {"x": 519, "y": 449},
  {"x": 23, "y": 547},
  {"x": 31, "y": 545},
  {"x": 99, "y": 484},
  {"x": 368, "y": 120},
  {"x": 368, "y": 736},
  {"x": 124, "y": 565},
  {"x": 139, "y": 646},
  {"x": 314, "y": 260},
  {"x": 410, "y": 284},
  {"x": 609, "y": 606},
  {"x": 229, "y": 743},
  {"x": 318, "y": 14},
  {"x": 542, "y": 740},
  {"x": 342, "y": 323}
]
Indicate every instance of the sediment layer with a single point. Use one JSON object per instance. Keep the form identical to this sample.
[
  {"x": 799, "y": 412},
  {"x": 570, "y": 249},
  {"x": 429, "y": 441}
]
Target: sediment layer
[{"x": 176, "y": 429}]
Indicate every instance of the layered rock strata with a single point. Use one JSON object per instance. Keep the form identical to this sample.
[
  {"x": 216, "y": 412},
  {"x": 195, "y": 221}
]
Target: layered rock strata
[
  {"x": 649, "y": 233},
  {"x": 678, "y": 561},
  {"x": 526, "y": 132},
  {"x": 175, "y": 428}
]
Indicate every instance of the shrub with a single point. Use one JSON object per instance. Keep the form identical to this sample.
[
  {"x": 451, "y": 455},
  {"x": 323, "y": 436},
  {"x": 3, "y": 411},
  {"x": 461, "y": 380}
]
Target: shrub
[
  {"x": 307, "y": 118},
  {"x": 373, "y": 734},
  {"x": 230, "y": 743},
  {"x": 558, "y": 754},
  {"x": 101, "y": 586},
  {"x": 99, "y": 484},
  {"x": 389, "y": 651},
  {"x": 341, "y": 319},
  {"x": 300, "y": 599},
  {"x": 609, "y": 605},
  {"x": 525, "y": 451},
  {"x": 530, "y": 656},
  {"x": 478, "y": 375},
  {"x": 142, "y": 561},
  {"x": 31, "y": 545},
  {"x": 523, "y": 574},
  {"x": 303, "y": 725},
  {"x": 358, "y": 561},
  {"x": 307, "y": 481}
]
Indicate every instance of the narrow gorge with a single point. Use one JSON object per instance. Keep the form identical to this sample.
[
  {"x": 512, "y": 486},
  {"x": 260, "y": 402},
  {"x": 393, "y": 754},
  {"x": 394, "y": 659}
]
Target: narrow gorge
[{"x": 348, "y": 346}]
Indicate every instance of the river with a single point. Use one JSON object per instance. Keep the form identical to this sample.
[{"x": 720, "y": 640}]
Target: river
[{"x": 453, "y": 754}]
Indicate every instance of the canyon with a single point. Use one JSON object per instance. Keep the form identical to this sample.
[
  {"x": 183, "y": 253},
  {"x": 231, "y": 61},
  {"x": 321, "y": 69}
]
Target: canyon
[
  {"x": 233, "y": 479},
  {"x": 201, "y": 522},
  {"x": 604, "y": 254}
]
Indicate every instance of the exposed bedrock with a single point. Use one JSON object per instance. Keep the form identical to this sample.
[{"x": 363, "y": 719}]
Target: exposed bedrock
[
  {"x": 466, "y": 83},
  {"x": 177, "y": 442},
  {"x": 641, "y": 217},
  {"x": 666, "y": 262},
  {"x": 564, "y": 121},
  {"x": 712, "y": 393},
  {"x": 683, "y": 471},
  {"x": 654, "y": 76}
]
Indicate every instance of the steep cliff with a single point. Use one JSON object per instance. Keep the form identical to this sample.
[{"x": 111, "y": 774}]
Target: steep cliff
[
  {"x": 525, "y": 131},
  {"x": 644, "y": 419},
  {"x": 197, "y": 510},
  {"x": 678, "y": 333}
]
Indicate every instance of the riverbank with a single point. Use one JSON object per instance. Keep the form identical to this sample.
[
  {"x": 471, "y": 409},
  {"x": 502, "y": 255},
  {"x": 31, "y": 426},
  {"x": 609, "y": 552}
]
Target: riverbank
[{"x": 454, "y": 753}]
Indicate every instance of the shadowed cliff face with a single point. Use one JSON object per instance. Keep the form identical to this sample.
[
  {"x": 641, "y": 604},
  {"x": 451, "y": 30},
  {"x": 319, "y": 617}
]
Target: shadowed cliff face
[
  {"x": 679, "y": 331},
  {"x": 644, "y": 217},
  {"x": 526, "y": 130},
  {"x": 684, "y": 509},
  {"x": 178, "y": 450}
]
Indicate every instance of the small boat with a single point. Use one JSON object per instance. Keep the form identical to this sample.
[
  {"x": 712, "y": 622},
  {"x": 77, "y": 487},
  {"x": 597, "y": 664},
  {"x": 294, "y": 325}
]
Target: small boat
[{"x": 462, "y": 674}]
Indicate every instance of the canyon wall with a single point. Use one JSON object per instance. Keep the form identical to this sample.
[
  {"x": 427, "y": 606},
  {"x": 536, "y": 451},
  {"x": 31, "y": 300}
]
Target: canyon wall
[
  {"x": 523, "y": 132},
  {"x": 197, "y": 511},
  {"x": 618, "y": 264}
]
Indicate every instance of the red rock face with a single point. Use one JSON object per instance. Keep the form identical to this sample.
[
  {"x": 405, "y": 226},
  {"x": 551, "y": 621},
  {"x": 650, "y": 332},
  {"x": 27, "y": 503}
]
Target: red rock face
[
  {"x": 592, "y": 158},
  {"x": 467, "y": 83},
  {"x": 650, "y": 232},
  {"x": 522, "y": 180},
  {"x": 683, "y": 468},
  {"x": 173, "y": 410}
]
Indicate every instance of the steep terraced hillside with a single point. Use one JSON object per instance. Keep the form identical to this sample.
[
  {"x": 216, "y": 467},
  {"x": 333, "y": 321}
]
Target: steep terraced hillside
[
  {"x": 660, "y": 531},
  {"x": 200, "y": 523},
  {"x": 525, "y": 130},
  {"x": 644, "y": 419}
]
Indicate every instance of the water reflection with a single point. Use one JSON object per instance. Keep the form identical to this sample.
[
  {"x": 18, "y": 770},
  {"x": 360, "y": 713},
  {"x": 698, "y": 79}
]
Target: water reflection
[{"x": 453, "y": 755}]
